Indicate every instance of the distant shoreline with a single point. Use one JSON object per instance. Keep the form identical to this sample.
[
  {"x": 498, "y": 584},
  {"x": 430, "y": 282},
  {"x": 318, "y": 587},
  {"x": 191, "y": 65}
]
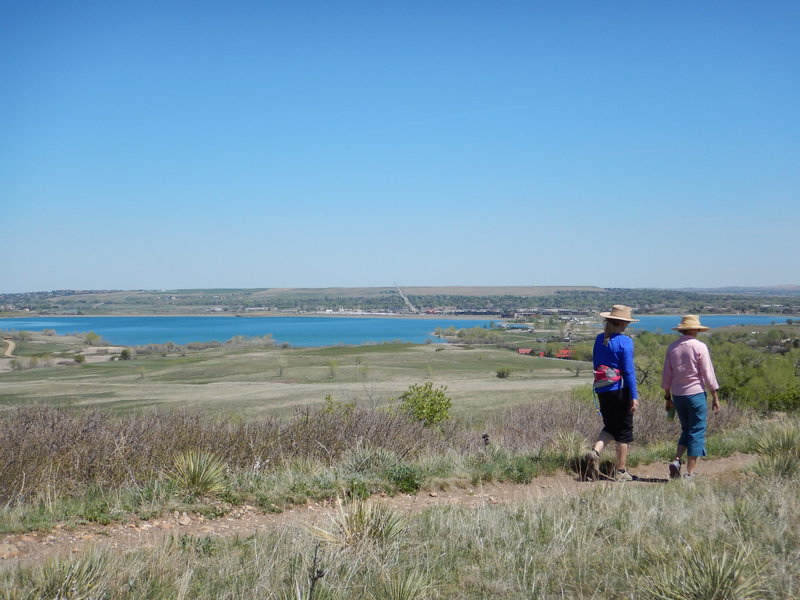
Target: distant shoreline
[{"x": 260, "y": 314}]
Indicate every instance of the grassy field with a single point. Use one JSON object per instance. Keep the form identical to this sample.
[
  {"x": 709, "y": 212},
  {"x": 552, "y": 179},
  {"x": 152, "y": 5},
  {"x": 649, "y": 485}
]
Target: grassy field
[
  {"x": 729, "y": 538},
  {"x": 111, "y": 461},
  {"x": 276, "y": 381}
]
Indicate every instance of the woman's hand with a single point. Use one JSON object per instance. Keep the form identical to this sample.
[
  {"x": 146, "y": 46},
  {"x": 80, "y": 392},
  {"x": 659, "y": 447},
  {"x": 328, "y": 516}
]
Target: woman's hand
[
  {"x": 634, "y": 405},
  {"x": 715, "y": 404}
]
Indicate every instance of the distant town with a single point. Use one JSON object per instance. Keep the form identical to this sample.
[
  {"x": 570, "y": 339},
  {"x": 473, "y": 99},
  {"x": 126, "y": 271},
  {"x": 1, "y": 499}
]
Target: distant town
[{"x": 512, "y": 303}]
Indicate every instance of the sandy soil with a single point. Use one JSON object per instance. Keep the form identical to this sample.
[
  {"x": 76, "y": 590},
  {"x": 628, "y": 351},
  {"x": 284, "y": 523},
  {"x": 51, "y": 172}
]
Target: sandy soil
[
  {"x": 10, "y": 345},
  {"x": 32, "y": 548},
  {"x": 93, "y": 354}
]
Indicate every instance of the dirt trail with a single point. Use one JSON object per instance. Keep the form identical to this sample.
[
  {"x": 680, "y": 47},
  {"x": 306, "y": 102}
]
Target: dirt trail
[
  {"x": 10, "y": 346},
  {"x": 32, "y": 548}
]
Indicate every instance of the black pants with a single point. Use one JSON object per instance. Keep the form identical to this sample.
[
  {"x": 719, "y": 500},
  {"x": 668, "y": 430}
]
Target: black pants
[{"x": 615, "y": 406}]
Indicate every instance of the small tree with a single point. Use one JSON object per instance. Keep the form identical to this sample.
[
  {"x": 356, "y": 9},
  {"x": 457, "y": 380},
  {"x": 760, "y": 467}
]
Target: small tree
[
  {"x": 503, "y": 372},
  {"x": 93, "y": 339},
  {"x": 125, "y": 354},
  {"x": 426, "y": 404}
]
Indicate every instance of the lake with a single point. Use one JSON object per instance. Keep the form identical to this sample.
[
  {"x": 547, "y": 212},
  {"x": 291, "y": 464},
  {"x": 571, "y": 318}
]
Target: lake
[
  {"x": 297, "y": 331},
  {"x": 303, "y": 331},
  {"x": 665, "y": 323}
]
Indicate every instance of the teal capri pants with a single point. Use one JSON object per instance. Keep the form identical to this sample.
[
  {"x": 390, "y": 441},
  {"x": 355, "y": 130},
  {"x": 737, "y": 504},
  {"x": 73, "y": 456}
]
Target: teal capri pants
[{"x": 692, "y": 411}]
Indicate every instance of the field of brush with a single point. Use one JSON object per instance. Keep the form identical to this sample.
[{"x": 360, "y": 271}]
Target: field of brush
[
  {"x": 274, "y": 381},
  {"x": 207, "y": 431}
]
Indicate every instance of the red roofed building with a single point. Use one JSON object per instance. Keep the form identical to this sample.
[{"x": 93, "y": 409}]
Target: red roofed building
[{"x": 524, "y": 350}]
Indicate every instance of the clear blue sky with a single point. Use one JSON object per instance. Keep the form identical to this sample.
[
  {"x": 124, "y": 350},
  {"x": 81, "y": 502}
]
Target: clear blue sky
[{"x": 309, "y": 144}]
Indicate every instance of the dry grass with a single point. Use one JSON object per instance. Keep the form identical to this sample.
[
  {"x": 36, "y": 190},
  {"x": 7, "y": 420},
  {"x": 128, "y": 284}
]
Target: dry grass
[
  {"x": 679, "y": 540},
  {"x": 60, "y": 450}
]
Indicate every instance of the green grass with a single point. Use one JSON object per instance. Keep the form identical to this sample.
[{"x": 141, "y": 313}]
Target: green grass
[
  {"x": 243, "y": 378},
  {"x": 698, "y": 540}
]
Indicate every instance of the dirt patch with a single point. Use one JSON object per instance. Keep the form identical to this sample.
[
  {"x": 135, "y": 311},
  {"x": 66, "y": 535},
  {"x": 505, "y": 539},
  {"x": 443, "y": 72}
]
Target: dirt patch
[
  {"x": 32, "y": 548},
  {"x": 10, "y": 345}
]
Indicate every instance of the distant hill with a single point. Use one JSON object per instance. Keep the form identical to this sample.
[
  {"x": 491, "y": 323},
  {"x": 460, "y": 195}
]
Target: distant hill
[
  {"x": 523, "y": 291},
  {"x": 775, "y": 290}
]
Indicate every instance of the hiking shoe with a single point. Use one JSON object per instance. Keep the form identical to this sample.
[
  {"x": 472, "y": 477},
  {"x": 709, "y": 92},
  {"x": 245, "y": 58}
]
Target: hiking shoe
[
  {"x": 688, "y": 476},
  {"x": 624, "y": 476},
  {"x": 592, "y": 460},
  {"x": 675, "y": 469}
]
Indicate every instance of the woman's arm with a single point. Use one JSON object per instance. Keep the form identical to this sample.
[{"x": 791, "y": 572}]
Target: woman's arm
[
  {"x": 706, "y": 368},
  {"x": 628, "y": 371}
]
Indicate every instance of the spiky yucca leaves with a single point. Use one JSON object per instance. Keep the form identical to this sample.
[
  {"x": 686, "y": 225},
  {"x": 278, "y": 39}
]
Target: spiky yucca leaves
[
  {"x": 780, "y": 439},
  {"x": 198, "y": 473},
  {"x": 708, "y": 573},
  {"x": 364, "y": 459},
  {"x": 360, "y": 521},
  {"x": 781, "y": 465},
  {"x": 779, "y": 449},
  {"x": 410, "y": 585},
  {"x": 83, "y": 579}
]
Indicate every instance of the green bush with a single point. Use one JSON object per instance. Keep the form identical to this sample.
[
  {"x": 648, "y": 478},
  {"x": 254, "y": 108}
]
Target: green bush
[
  {"x": 426, "y": 404},
  {"x": 785, "y": 400},
  {"x": 503, "y": 372},
  {"x": 198, "y": 473},
  {"x": 407, "y": 479}
]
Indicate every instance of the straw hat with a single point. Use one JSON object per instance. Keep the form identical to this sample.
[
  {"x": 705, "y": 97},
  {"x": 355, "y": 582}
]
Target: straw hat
[
  {"x": 619, "y": 312},
  {"x": 689, "y": 322}
]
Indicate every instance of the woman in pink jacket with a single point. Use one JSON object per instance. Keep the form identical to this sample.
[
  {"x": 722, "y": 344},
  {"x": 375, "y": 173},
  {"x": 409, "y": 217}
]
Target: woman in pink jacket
[{"x": 687, "y": 374}]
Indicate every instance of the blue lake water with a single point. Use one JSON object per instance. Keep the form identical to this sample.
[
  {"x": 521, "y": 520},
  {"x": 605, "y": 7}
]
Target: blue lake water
[
  {"x": 665, "y": 323},
  {"x": 297, "y": 331},
  {"x": 302, "y": 331}
]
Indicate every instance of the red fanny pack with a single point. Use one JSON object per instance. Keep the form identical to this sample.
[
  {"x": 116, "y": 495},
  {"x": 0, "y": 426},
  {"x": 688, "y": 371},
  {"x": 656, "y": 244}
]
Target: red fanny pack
[{"x": 605, "y": 376}]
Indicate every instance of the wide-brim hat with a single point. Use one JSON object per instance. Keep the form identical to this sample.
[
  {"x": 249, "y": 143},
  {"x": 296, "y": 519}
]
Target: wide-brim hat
[
  {"x": 689, "y": 322},
  {"x": 619, "y": 312}
]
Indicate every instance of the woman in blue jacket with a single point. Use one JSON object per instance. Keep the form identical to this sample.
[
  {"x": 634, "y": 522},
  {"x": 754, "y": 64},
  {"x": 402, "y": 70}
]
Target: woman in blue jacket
[{"x": 615, "y": 385}]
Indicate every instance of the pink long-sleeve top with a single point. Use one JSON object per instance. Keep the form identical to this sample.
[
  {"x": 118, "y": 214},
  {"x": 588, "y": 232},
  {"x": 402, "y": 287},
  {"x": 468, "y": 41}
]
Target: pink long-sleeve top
[{"x": 687, "y": 368}]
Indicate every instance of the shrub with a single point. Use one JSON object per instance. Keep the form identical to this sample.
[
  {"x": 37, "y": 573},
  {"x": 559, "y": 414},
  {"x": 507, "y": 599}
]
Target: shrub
[
  {"x": 86, "y": 577},
  {"x": 407, "y": 479},
  {"x": 362, "y": 521},
  {"x": 708, "y": 572},
  {"x": 782, "y": 439},
  {"x": 93, "y": 339},
  {"x": 503, "y": 372},
  {"x": 125, "y": 354},
  {"x": 426, "y": 404},
  {"x": 198, "y": 473}
]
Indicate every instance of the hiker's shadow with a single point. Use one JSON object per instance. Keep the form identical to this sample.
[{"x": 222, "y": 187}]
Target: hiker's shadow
[{"x": 580, "y": 467}]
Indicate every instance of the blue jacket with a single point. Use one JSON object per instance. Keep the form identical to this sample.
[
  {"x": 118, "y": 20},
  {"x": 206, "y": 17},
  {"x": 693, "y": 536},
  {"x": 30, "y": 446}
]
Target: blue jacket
[{"x": 619, "y": 355}]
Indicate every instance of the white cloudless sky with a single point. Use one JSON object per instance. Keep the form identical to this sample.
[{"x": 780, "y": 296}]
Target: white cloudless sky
[{"x": 311, "y": 144}]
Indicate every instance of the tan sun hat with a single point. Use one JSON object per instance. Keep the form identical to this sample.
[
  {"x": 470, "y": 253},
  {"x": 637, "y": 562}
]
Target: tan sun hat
[
  {"x": 619, "y": 312},
  {"x": 689, "y": 322}
]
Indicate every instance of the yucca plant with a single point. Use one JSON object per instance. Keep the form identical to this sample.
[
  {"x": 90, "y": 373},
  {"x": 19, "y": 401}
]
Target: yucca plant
[
  {"x": 363, "y": 459},
  {"x": 198, "y": 473},
  {"x": 410, "y": 585},
  {"x": 360, "y": 521},
  {"x": 776, "y": 465},
  {"x": 83, "y": 579},
  {"x": 782, "y": 439},
  {"x": 707, "y": 573}
]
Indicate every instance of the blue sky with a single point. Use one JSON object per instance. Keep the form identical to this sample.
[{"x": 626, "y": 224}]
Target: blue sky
[{"x": 310, "y": 144}]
